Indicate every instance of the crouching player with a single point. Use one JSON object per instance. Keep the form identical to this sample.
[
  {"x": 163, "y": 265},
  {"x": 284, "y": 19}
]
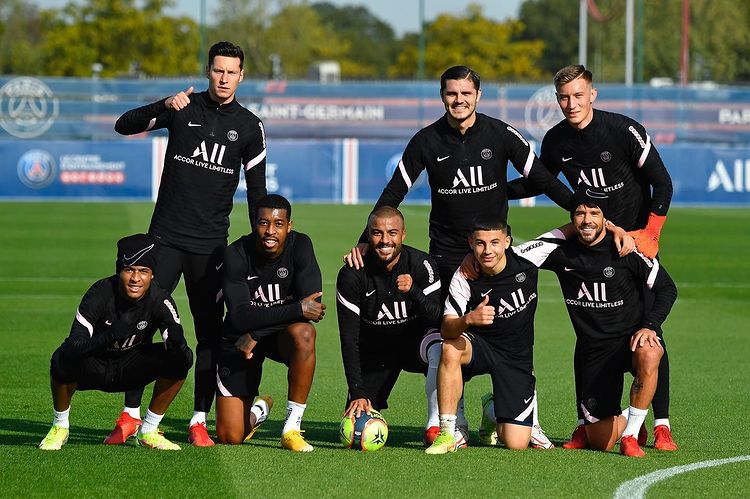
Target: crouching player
[
  {"x": 272, "y": 287},
  {"x": 488, "y": 328},
  {"x": 616, "y": 326},
  {"x": 109, "y": 347},
  {"x": 389, "y": 311}
]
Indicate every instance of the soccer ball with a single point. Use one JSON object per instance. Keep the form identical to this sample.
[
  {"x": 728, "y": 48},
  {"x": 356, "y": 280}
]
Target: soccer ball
[{"x": 368, "y": 432}]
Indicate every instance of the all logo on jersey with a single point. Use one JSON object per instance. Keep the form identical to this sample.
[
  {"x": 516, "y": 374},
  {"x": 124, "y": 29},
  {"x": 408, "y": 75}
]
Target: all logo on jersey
[
  {"x": 468, "y": 181},
  {"x": 268, "y": 294},
  {"x": 593, "y": 295},
  {"x": 216, "y": 155},
  {"x": 595, "y": 178},
  {"x": 513, "y": 304},
  {"x": 397, "y": 310}
]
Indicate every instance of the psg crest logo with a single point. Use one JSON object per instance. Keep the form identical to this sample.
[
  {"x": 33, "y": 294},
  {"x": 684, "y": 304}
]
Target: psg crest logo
[
  {"x": 609, "y": 272},
  {"x": 282, "y": 272},
  {"x": 606, "y": 156},
  {"x": 36, "y": 169},
  {"x": 28, "y": 108},
  {"x": 232, "y": 135},
  {"x": 486, "y": 153},
  {"x": 142, "y": 325},
  {"x": 520, "y": 277}
]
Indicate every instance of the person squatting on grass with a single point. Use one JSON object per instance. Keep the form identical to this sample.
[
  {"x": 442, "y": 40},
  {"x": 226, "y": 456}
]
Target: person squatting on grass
[
  {"x": 109, "y": 347},
  {"x": 272, "y": 287}
]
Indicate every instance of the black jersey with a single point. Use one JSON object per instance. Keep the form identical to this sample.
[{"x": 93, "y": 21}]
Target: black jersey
[
  {"x": 513, "y": 293},
  {"x": 612, "y": 154},
  {"x": 102, "y": 309},
  {"x": 208, "y": 144},
  {"x": 259, "y": 292},
  {"x": 467, "y": 175},
  {"x": 604, "y": 293},
  {"x": 373, "y": 313}
]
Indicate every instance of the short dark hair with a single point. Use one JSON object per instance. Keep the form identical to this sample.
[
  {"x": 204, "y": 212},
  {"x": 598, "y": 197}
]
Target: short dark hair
[
  {"x": 487, "y": 222},
  {"x": 383, "y": 212},
  {"x": 459, "y": 73},
  {"x": 570, "y": 73},
  {"x": 274, "y": 201},
  {"x": 226, "y": 49},
  {"x": 591, "y": 199}
]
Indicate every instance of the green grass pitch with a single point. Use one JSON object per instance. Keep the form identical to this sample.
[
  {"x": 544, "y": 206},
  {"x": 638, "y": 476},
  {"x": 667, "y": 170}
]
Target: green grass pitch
[{"x": 51, "y": 252}]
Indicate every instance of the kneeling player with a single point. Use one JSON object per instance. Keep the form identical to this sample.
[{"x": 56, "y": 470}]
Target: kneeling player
[
  {"x": 109, "y": 347},
  {"x": 616, "y": 327},
  {"x": 386, "y": 310},
  {"x": 272, "y": 287},
  {"x": 488, "y": 328}
]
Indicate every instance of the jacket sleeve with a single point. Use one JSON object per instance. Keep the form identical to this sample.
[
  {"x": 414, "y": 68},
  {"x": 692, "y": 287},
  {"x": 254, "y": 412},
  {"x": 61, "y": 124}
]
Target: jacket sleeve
[
  {"x": 645, "y": 158},
  {"x": 171, "y": 330},
  {"x": 348, "y": 310},
  {"x": 86, "y": 336},
  {"x": 522, "y": 187},
  {"x": 528, "y": 165},
  {"x": 142, "y": 119},
  {"x": 254, "y": 161},
  {"x": 425, "y": 291},
  {"x": 660, "y": 283}
]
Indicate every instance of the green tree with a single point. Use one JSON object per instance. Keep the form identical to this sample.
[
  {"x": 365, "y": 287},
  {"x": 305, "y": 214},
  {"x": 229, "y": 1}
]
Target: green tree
[
  {"x": 20, "y": 35},
  {"x": 245, "y": 22},
  {"x": 545, "y": 20},
  {"x": 476, "y": 41},
  {"x": 371, "y": 41},
  {"x": 121, "y": 37}
]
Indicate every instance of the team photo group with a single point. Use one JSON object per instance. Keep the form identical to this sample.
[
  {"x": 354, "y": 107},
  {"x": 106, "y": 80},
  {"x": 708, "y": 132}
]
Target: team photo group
[{"x": 463, "y": 308}]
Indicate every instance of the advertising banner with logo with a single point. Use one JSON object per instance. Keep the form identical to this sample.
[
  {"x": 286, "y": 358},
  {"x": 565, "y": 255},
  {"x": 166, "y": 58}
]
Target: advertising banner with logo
[{"x": 83, "y": 170}]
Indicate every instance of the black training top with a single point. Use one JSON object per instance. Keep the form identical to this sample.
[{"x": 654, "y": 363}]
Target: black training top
[
  {"x": 513, "y": 293},
  {"x": 261, "y": 293},
  {"x": 612, "y": 154},
  {"x": 373, "y": 313},
  {"x": 604, "y": 293},
  {"x": 208, "y": 144},
  {"x": 467, "y": 175},
  {"x": 104, "y": 314}
]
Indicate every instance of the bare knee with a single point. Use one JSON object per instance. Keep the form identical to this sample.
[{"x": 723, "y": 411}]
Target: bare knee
[
  {"x": 451, "y": 353},
  {"x": 647, "y": 359},
  {"x": 303, "y": 337},
  {"x": 229, "y": 436}
]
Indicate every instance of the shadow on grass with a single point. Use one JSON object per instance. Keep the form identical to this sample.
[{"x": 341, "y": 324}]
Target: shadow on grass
[{"x": 325, "y": 434}]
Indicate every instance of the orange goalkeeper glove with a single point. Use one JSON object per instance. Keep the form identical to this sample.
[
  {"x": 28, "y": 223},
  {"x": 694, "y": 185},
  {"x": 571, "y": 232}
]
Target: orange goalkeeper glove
[{"x": 647, "y": 238}]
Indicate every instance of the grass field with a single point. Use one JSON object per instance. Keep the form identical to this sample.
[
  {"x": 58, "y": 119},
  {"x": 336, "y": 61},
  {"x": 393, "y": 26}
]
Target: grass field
[{"x": 50, "y": 253}]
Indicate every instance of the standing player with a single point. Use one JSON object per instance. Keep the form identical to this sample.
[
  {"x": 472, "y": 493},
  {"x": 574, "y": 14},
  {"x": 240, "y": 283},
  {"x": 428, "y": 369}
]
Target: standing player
[
  {"x": 388, "y": 312},
  {"x": 272, "y": 286},
  {"x": 617, "y": 329},
  {"x": 613, "y": 154},
  {"x": 109, "y": 347},
  {"x": 488, "y": 328},
  {"x": 211, "y": 136}
]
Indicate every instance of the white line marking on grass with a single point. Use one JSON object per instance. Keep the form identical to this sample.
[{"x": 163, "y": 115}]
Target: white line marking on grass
[{"x": 636, "y": 488}]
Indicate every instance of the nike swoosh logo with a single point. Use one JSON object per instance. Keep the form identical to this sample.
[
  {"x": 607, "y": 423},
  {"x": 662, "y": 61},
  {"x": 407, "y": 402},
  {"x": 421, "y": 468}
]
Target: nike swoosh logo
[
  {"x": 220, "y": 265},
  {"x": 486, "y": 293},
  {"x": 443, "y": 158},
  {"x": 251, "y": 277},
  {"x": 526, "y": 401},
  {"x": 565, "y": 160},
  {"x": 190, "y": 123},
  {"x": 567, "y": 269},
  {"x": 369, "y": 293},
  {"x": 129, "y": 260},
  {"x": 108, "y": 323}
]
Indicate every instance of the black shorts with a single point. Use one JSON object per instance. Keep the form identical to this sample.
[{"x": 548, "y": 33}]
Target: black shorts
[
  {"x": 240, "y": 377},
  {"x": 125, "y": 371},
  {"x": 381, "y": 363},
  {"x": 513, "y": 381},
  {"x": 599, "y": 369}
]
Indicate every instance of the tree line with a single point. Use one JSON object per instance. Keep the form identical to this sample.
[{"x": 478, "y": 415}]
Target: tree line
[{"x": 135, "y": 38}]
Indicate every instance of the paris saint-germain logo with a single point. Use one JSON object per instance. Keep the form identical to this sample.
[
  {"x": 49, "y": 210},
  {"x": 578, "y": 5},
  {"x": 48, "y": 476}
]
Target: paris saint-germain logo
[
  {"x": 232, "y": 135},
  {"x": 520, "y": 277},
  {"x": 36, "y": 169},
  {"x": 609, "y": 272},
  {"x": 142, "y": 325},
  {"x": 606, "y": 156},
  {"x": 486, "y": 153},
  {"x": 282, "y": 272}
]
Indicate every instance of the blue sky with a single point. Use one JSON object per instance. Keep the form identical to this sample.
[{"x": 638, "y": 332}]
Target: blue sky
[{"x": 402, "y": 15}]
